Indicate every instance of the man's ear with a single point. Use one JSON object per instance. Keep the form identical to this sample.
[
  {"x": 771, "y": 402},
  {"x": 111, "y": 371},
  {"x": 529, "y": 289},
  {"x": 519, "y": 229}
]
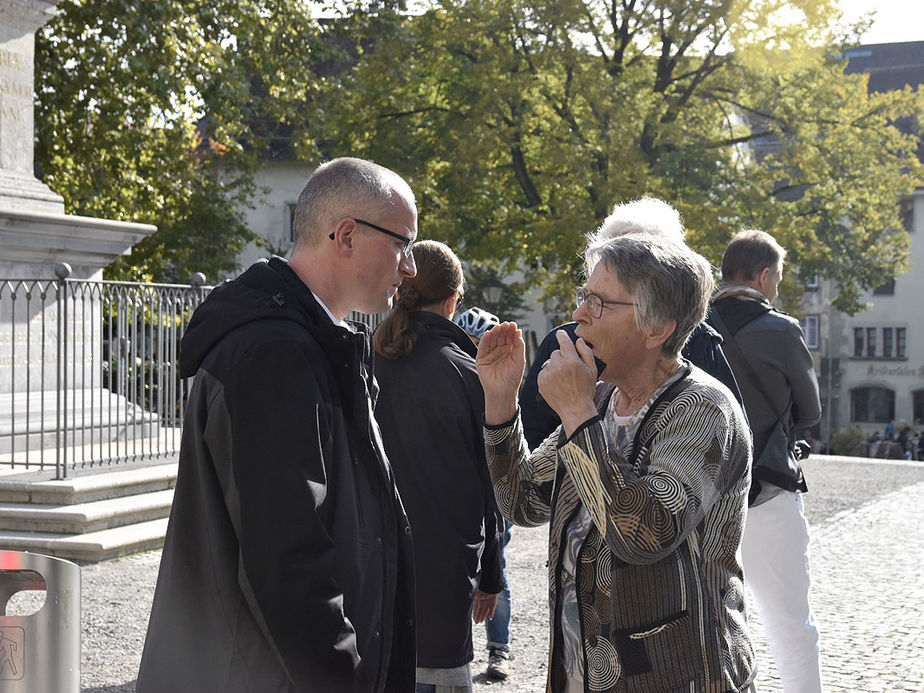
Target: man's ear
[
  {"x": 344, "y": 235},
  {"x": 763, "y": 276}
]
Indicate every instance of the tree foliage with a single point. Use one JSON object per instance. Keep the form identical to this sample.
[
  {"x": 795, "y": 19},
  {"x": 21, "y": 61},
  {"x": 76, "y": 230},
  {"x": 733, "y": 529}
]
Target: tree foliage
[
  {"x": 156, "y": 112},
  {"x": 520, "y": 124}
]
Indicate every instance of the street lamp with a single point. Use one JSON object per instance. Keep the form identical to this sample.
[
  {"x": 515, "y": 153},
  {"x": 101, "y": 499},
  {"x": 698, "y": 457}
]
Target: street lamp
[{"x": 493, "y": 290}]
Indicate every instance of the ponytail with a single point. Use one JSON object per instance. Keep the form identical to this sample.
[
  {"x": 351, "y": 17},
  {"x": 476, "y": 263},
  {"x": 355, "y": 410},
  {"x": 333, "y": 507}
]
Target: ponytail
[{"x": 439, "y": 274}]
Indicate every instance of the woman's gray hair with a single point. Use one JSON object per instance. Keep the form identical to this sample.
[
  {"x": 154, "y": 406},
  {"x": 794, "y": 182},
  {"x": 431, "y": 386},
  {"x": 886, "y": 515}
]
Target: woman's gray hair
[
  {"x": 670, "y": 282},
  {"x": 344, "y": 187}
]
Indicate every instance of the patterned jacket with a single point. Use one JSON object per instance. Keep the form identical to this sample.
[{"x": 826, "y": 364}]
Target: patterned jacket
[{"x": 660, "y": 586}]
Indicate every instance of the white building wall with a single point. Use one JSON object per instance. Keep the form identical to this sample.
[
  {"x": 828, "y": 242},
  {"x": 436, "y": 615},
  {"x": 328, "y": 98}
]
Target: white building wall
[
  {"x": 899, "y": 373},
  {"x": 278, "y": 185}
]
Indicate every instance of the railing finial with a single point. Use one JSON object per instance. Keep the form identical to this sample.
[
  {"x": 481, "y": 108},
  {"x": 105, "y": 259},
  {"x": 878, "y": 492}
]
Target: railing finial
[
  {"x": 62, "y": 270},
  {"x": 197, "y": 279}
]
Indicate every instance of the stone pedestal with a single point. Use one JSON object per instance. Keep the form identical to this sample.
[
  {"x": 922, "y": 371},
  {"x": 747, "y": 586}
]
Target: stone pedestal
[
  {"x": 36, "y": 237},
  {"x": 19, "y": 19}
]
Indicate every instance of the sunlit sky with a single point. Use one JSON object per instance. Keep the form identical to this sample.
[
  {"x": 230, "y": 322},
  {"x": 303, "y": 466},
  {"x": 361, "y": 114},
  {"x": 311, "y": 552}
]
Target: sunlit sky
[{"x": 896, "y": 20}]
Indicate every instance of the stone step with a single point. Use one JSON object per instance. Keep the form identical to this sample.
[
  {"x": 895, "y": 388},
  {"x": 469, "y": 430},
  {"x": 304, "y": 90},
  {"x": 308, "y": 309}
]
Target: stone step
[
  {"x": 86, "y": 488},
  {"x": 93, "y": 546},
  {"x": 104, "y": 438},
  {"x": 84, "y": 518},
  {"x": 28, "y": 420},
  {"x": 87, "y": 447}
]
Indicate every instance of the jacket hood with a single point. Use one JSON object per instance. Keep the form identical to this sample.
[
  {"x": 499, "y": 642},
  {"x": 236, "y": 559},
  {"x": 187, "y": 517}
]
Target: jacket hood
[
  {"x": 738, "y": 305},
  {"x": 267, "y": 290},
  {"x": 731, "y": 289}
]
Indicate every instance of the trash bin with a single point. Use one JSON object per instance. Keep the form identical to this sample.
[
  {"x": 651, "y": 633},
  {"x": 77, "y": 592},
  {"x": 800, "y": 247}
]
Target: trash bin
[{"x": 40, "y": 652}]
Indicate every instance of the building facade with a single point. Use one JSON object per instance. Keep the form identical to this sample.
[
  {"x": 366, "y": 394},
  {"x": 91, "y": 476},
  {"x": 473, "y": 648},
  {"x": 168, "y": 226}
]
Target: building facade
[{"x": 870, "y": 365}]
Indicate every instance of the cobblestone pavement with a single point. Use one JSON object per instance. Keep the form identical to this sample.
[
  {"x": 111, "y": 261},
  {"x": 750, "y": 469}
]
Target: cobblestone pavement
[
  {"x": 867, "y": 558},
  {"x": 867, "y": 553}
]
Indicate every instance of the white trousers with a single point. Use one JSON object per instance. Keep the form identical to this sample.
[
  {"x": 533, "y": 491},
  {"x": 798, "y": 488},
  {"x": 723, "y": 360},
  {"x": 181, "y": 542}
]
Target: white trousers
[{"x": 776, "y": 570}]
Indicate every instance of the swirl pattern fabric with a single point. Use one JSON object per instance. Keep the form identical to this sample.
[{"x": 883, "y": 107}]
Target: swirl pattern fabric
[{"x": 659, "y": 585}]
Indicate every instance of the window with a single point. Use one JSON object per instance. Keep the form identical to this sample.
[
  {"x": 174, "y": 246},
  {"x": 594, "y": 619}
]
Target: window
[
  {"x": 872, "y": 405},
  {"x": 858, "y": 341},
  {"x": 906, "y": 212},
  {"x": 810, "y": 327},
  {"x": 866, "y": 342},
  {"x": 290, "y": 221},
  {"x": 917, "y": 407},
  {"x": 887, "y": 289},
  {"x": 811, "y": 283}
]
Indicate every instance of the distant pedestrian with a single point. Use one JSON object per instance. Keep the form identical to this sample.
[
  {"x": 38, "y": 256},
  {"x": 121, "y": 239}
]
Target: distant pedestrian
[
  {"x": 476, "y": 321},
  {"x": 774, "y": 369},
  {"x": 904, "y": 442},
  {"x": 431, "y": 412},
  {"x": 288, "y": 560}
]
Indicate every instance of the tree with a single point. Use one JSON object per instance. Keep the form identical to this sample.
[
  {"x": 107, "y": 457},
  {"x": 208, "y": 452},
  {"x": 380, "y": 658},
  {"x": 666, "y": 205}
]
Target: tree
[
  {"x": 158, "y": 112},
  {"x": 521, "y": 123}
]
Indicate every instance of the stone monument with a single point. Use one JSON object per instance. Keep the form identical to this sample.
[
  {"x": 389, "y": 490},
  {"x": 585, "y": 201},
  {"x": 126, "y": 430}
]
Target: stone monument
[
  {"x": 36, "y": 239},
  {"x": 35, "y": 233}
]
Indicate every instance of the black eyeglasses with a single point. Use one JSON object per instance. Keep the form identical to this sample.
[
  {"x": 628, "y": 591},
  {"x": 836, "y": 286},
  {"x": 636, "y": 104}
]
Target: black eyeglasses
[
  {"x": 408, "y": 242},
  {"x": 459, "y": 299},
  {"x": 595, "y": 304}
]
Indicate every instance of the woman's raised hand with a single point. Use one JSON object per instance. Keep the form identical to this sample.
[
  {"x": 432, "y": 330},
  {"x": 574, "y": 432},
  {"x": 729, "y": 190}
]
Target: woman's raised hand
[{"x": 501, "y": 361}]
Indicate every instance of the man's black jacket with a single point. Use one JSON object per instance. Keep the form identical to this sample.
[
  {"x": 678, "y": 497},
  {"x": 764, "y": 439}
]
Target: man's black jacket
[{"x": 288, "y": 563}]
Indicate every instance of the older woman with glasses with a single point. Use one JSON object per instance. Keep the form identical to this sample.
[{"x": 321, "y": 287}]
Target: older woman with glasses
[{"x": 644, "y": 483}]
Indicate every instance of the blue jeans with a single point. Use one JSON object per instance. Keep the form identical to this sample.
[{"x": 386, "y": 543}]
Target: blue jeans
[{"x": 498, "y": 628}]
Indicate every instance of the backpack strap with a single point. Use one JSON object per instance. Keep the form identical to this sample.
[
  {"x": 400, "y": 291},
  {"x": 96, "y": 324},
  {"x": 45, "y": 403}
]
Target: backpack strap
[{"x": 730, "y": 343}]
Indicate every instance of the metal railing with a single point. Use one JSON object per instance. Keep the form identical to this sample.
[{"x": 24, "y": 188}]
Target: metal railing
[{"x": 89, "y": 373}]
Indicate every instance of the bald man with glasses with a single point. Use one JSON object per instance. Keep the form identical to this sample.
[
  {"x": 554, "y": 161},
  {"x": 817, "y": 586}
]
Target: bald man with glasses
[{"x": 288, "y": 562}]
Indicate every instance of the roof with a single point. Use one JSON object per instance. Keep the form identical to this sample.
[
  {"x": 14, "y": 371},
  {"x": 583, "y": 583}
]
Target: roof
[{"x": 890, "y": 65}]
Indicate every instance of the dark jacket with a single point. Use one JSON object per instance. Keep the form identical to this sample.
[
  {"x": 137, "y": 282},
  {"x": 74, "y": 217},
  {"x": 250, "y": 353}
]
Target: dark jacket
[
  {"x": 431, "y": 411},
  {"x": 703, "y": 349},
  {"x": 287, "y": 564},
  {"x": 774, "y": 347}
]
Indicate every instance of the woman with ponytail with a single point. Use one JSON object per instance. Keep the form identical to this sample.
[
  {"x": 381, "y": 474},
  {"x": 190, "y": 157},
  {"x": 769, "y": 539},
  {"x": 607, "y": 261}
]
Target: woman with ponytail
[{"x": 431, "y": 412}]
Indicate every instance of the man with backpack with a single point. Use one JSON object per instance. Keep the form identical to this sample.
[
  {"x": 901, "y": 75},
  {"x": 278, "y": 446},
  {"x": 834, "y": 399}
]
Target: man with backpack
[{"x": 774, "y": 370}]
